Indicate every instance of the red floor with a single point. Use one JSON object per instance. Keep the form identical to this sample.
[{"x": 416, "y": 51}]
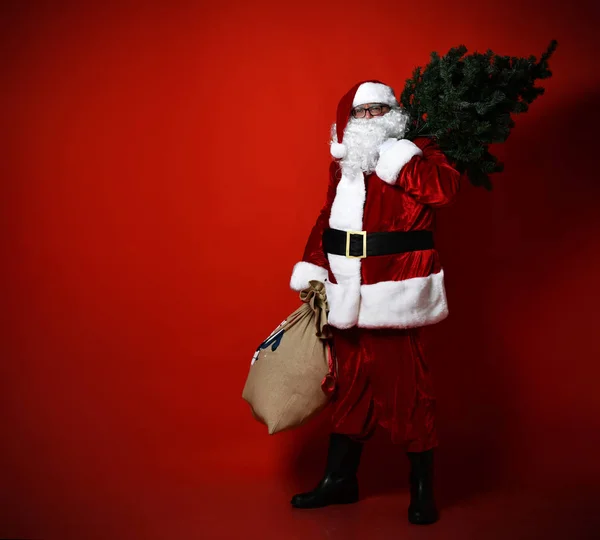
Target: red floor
[{"x": 259, "y": 509}]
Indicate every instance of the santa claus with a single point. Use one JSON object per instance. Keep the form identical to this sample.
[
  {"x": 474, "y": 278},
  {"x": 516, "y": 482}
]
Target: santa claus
[{"x": 372, "y": 246}]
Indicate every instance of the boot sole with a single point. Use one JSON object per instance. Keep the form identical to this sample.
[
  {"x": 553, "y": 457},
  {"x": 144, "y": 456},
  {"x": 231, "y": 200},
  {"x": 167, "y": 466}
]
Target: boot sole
[
  {"x": 423, "y": 521},
  {"x": 343, "y": 500}
]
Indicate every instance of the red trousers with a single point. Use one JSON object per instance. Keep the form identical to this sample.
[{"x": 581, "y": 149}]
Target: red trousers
[{"x": 382, "y": 378}]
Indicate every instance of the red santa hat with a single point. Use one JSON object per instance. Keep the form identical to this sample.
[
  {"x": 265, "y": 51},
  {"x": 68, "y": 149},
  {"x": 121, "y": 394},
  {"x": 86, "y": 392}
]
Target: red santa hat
[{"x": 359, "y": 94}]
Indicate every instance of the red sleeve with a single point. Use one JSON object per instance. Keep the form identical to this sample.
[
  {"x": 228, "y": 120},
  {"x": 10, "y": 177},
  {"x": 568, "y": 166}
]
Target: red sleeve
[
  {"x": 313, "y": 251},
  {"x": 314, "y": 264},
  {"x": 430, "y": 178}
]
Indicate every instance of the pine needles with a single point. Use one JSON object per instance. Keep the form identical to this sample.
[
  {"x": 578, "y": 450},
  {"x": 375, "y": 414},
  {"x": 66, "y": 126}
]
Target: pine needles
[{"x": 466, "y": 103}]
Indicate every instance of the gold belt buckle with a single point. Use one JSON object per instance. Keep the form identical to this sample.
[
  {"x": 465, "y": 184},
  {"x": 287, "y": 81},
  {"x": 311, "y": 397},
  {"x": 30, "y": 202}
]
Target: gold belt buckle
[{"x": 358, "y": 233}]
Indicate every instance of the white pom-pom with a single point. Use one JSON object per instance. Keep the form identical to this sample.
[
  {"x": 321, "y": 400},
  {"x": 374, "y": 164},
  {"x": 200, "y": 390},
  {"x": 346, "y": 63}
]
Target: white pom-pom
[{"x": 338, "y": 150}]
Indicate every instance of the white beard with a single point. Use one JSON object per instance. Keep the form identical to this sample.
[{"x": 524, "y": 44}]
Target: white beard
[{"x": 364, "y": 136}]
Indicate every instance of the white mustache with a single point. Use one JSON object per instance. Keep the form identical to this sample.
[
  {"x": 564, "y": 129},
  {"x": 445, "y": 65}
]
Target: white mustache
[{"x": 364, "y": 136}]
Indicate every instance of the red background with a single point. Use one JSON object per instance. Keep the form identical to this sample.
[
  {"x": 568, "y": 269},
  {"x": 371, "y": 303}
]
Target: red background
[{"x": 162, "y": 164}]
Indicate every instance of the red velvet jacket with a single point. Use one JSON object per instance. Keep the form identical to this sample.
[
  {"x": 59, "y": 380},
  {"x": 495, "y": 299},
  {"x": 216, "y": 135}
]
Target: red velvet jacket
[{"x": 401, "y": 291}]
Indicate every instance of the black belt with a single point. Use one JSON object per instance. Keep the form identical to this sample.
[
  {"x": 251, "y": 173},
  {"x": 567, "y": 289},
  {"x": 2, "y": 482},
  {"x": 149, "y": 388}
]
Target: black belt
[{"x": 360, "y": 244}]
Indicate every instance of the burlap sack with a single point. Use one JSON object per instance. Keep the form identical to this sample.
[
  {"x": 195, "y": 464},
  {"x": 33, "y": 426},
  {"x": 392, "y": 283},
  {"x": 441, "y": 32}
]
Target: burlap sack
[{"x": 291, "y": 374}]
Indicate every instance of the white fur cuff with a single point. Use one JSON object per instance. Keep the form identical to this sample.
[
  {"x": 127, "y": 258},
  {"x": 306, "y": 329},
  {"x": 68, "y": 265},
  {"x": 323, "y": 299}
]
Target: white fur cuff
[
  {"x": 304, "y": 272},
  {"x": 393, "y": 157}
]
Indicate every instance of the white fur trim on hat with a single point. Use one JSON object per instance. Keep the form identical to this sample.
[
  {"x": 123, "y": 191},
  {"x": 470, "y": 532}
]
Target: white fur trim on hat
[
  {"x": 374, "y": 93},
  {"x": 338, "y": 150}
]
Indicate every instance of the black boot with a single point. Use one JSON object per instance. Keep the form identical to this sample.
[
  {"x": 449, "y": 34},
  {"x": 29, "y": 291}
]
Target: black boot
[
  {"x": 339, "y": 485},
  {"x": 422, "y": 509}
]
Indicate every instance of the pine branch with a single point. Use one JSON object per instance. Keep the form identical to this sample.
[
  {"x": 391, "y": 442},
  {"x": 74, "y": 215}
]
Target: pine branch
[{"x": 467, "y": 102}]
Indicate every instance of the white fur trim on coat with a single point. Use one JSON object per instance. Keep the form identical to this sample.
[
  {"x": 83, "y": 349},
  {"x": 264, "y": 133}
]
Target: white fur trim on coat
[
  {"x": 344, "y": 302},
  {"x": 348, "y": 205},
  {"x": 347, "y": 209},
  {"x": 374, "y": 93},
  {"x": 409, "y": 303},
  {"x": 304, "y": 272},
  {"x": 393, "y": 156}
]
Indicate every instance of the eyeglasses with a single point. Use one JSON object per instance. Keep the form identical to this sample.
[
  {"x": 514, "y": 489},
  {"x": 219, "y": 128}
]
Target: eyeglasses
[{"x": 375, "y": 110}]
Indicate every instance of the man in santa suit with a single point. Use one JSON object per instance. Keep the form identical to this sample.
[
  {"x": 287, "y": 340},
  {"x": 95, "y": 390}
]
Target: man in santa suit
[{"x": 372, "y": 246}]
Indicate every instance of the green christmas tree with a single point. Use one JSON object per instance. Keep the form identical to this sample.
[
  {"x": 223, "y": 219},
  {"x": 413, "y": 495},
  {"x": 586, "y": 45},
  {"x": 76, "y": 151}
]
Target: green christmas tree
[{"x": 466, "y": 103}]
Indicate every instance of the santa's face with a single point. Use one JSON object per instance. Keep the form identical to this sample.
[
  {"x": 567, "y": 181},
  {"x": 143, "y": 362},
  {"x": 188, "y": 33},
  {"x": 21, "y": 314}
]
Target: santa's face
[{"x": 364, "y": 135}]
